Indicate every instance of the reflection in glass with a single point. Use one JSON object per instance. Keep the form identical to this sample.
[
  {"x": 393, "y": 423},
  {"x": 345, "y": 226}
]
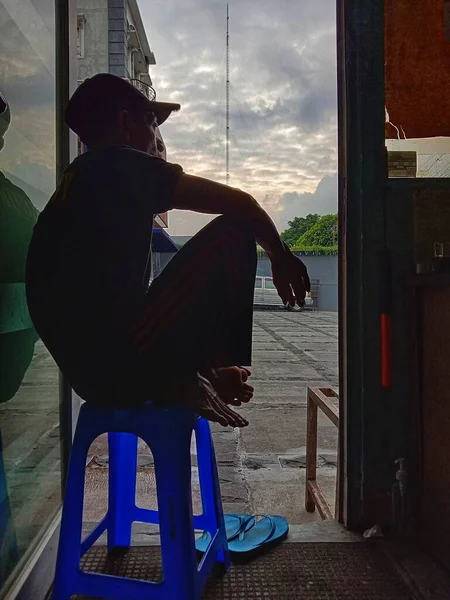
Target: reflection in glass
[
  {"x": 29, "y": 403},
  {"x": 438, "y": 249},
  {"x": 441, "y": 257},
  {"x": 417, "y": 88}
]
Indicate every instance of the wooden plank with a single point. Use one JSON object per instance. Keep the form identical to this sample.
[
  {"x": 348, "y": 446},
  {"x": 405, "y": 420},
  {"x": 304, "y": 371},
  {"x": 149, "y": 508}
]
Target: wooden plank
[
  {"x": 434, "y": 526},
  {"x": 426, "y": 577},
  {"x": 311, "y": 451},
  {"x": 328, "y": 402},
  {"x": 319, "y": 500},
  {"x": 338, "y": 486}
]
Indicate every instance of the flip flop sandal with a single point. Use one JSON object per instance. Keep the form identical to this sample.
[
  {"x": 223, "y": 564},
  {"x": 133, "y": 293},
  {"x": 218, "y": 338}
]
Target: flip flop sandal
[
  {"x": 233, "y": 524},
  {"x": 260, "y": 537}
]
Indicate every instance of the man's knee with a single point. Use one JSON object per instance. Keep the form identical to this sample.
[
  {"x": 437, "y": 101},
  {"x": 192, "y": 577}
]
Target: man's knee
[
  {"x": 234, "y": 226},
  {"x": 230, "y": 237},
  {"x": 239, "y": 240}
]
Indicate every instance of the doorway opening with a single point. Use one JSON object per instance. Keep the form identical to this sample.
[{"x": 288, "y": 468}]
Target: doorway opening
[{"x": 247, "y": 123}]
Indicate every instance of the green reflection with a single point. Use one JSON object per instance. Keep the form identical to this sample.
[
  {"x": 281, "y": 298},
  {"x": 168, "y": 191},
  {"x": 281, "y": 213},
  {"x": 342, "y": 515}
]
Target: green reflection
[{"x": 17, "y": 335}]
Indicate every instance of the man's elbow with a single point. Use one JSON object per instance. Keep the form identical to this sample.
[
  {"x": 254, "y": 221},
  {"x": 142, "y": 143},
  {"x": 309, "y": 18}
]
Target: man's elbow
[{"x": 251, "y": 209}]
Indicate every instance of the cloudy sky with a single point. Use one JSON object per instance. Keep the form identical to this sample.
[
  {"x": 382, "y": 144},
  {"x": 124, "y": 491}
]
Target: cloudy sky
[
  {"x": 282, "y": 98},
  {"x": 27, "y": 80}
]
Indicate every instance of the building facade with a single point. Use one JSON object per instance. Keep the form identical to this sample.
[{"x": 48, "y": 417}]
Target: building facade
[{"x": 111, "y": 38}]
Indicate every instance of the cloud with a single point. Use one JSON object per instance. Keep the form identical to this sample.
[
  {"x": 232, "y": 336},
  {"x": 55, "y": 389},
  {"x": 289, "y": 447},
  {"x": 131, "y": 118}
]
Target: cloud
[
  {"x": 323, "y": 201},
  {"x": 27, "y": 81},
  {"x": 282, "y": 93}
]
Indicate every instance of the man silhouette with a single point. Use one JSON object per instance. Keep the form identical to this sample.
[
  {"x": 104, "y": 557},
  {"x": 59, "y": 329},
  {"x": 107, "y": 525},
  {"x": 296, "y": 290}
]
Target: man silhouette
[{"x": 119, "y": 340}]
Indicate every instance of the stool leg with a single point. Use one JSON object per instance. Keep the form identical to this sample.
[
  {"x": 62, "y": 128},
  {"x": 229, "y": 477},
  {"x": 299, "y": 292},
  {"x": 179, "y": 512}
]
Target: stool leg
[
  {"x": 68, "y": 559},
  {"x": 173, "y": 479},
  {"x": 210, "y": 488},
  {"x": 122, "y": 488}
]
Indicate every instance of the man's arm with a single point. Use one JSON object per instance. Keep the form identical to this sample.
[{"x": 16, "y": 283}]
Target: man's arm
[{"x": 205, "y": 196}]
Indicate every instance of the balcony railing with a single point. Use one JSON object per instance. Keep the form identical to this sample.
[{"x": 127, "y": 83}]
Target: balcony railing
[{"x": 146, "y": 89}]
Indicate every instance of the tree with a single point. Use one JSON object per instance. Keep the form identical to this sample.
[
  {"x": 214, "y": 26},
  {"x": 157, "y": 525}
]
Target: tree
[
  {"x": 323, "y": 233},
  {"x": 297, "y": 227}
]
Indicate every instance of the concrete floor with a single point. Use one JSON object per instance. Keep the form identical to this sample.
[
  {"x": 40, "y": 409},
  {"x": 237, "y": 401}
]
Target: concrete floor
[
  {"x": 290, "y": 352},
  {"x": 261, "y": 468},
  {"x": 30, "y": 450}
]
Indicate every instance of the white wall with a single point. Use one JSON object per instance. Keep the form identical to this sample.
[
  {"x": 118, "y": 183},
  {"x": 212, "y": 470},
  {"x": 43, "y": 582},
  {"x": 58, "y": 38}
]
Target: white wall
[{"x": 95, "y": 38}]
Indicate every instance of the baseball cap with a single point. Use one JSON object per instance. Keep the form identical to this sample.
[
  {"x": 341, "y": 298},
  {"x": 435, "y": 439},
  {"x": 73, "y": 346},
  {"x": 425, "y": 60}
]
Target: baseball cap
[{"x": 100, "y": 96}]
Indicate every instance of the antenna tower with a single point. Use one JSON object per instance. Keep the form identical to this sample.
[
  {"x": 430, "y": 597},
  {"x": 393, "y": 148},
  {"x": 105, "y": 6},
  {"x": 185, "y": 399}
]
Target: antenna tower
[{"x": 227, "y": 107}]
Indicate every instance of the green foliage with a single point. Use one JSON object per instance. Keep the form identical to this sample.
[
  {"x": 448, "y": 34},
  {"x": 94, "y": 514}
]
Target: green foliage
[
  {"x": 323, "y": 233},
  {"x": 315, "y": 249},
  {"x": 298, "y": 227},
  {"x": 312, "y": 234},
  {"x": 307, "y": 250}
]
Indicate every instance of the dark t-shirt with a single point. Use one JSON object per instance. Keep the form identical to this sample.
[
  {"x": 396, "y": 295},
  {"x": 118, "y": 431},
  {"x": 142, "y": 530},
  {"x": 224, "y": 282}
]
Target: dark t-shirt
[{"x": 89, "y": 263}]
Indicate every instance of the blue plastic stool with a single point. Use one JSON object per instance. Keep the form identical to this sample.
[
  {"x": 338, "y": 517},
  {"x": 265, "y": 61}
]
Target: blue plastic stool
[{"x": 168, "y": 433}]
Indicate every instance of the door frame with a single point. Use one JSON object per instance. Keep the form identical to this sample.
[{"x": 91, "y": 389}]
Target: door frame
[
  {"x": 364, "y": 454},
  {"x": 33, "y": 575}
]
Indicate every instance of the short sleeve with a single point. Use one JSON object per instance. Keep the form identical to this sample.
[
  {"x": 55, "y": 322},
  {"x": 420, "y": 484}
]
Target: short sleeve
[{"x": 157, "y": 181}]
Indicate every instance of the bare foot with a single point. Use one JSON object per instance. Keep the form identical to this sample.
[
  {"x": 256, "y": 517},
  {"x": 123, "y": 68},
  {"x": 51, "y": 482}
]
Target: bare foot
[
  {"x": 205, "y": 401},
  {"x": 230, "y": 384}
]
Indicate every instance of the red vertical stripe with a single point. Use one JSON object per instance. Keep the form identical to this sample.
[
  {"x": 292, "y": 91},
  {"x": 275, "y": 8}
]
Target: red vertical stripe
[{"x": 386, "y": 351}]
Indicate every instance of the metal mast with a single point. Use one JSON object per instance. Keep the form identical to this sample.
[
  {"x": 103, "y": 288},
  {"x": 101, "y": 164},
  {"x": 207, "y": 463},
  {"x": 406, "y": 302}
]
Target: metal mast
[{"x": 227, "y": 107}]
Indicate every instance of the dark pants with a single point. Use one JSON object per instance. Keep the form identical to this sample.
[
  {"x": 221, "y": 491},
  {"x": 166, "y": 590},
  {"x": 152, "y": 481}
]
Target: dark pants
[{"x": 198, "y": 314}]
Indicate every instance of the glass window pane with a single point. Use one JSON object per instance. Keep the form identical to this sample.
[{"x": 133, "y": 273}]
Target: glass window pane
[
  {"x": 258, "y": 283},
  {"x": 29, "y": 397},
  {"x": 417, "y": 62},
  {"x": 269, "y": 284}
]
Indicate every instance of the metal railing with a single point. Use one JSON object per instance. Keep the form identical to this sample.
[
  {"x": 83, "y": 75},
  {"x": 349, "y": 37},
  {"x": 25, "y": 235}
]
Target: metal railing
[
  {"x": 267, "y": 295},
  {"x": 328, "y": 401},
  {"x": 315, "y": 286},
  {"x": 146, "y": 89}
]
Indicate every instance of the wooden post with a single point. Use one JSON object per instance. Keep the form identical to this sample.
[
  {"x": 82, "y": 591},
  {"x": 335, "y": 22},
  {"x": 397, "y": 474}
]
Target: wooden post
[
  {"x": 338, "y": 487},
  {"x": 311, "y": 451},
  {"x": 327, "y": 400}
]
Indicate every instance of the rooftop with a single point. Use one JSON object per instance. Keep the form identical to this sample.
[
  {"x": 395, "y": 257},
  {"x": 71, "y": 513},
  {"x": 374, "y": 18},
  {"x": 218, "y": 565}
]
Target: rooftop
[{"x": 262, "y": 468}]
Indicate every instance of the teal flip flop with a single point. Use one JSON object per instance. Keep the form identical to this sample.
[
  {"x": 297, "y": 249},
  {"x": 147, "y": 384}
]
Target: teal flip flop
[
  {"x": 255, "y": 537},
  {"x": 233, "y": 524}
]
